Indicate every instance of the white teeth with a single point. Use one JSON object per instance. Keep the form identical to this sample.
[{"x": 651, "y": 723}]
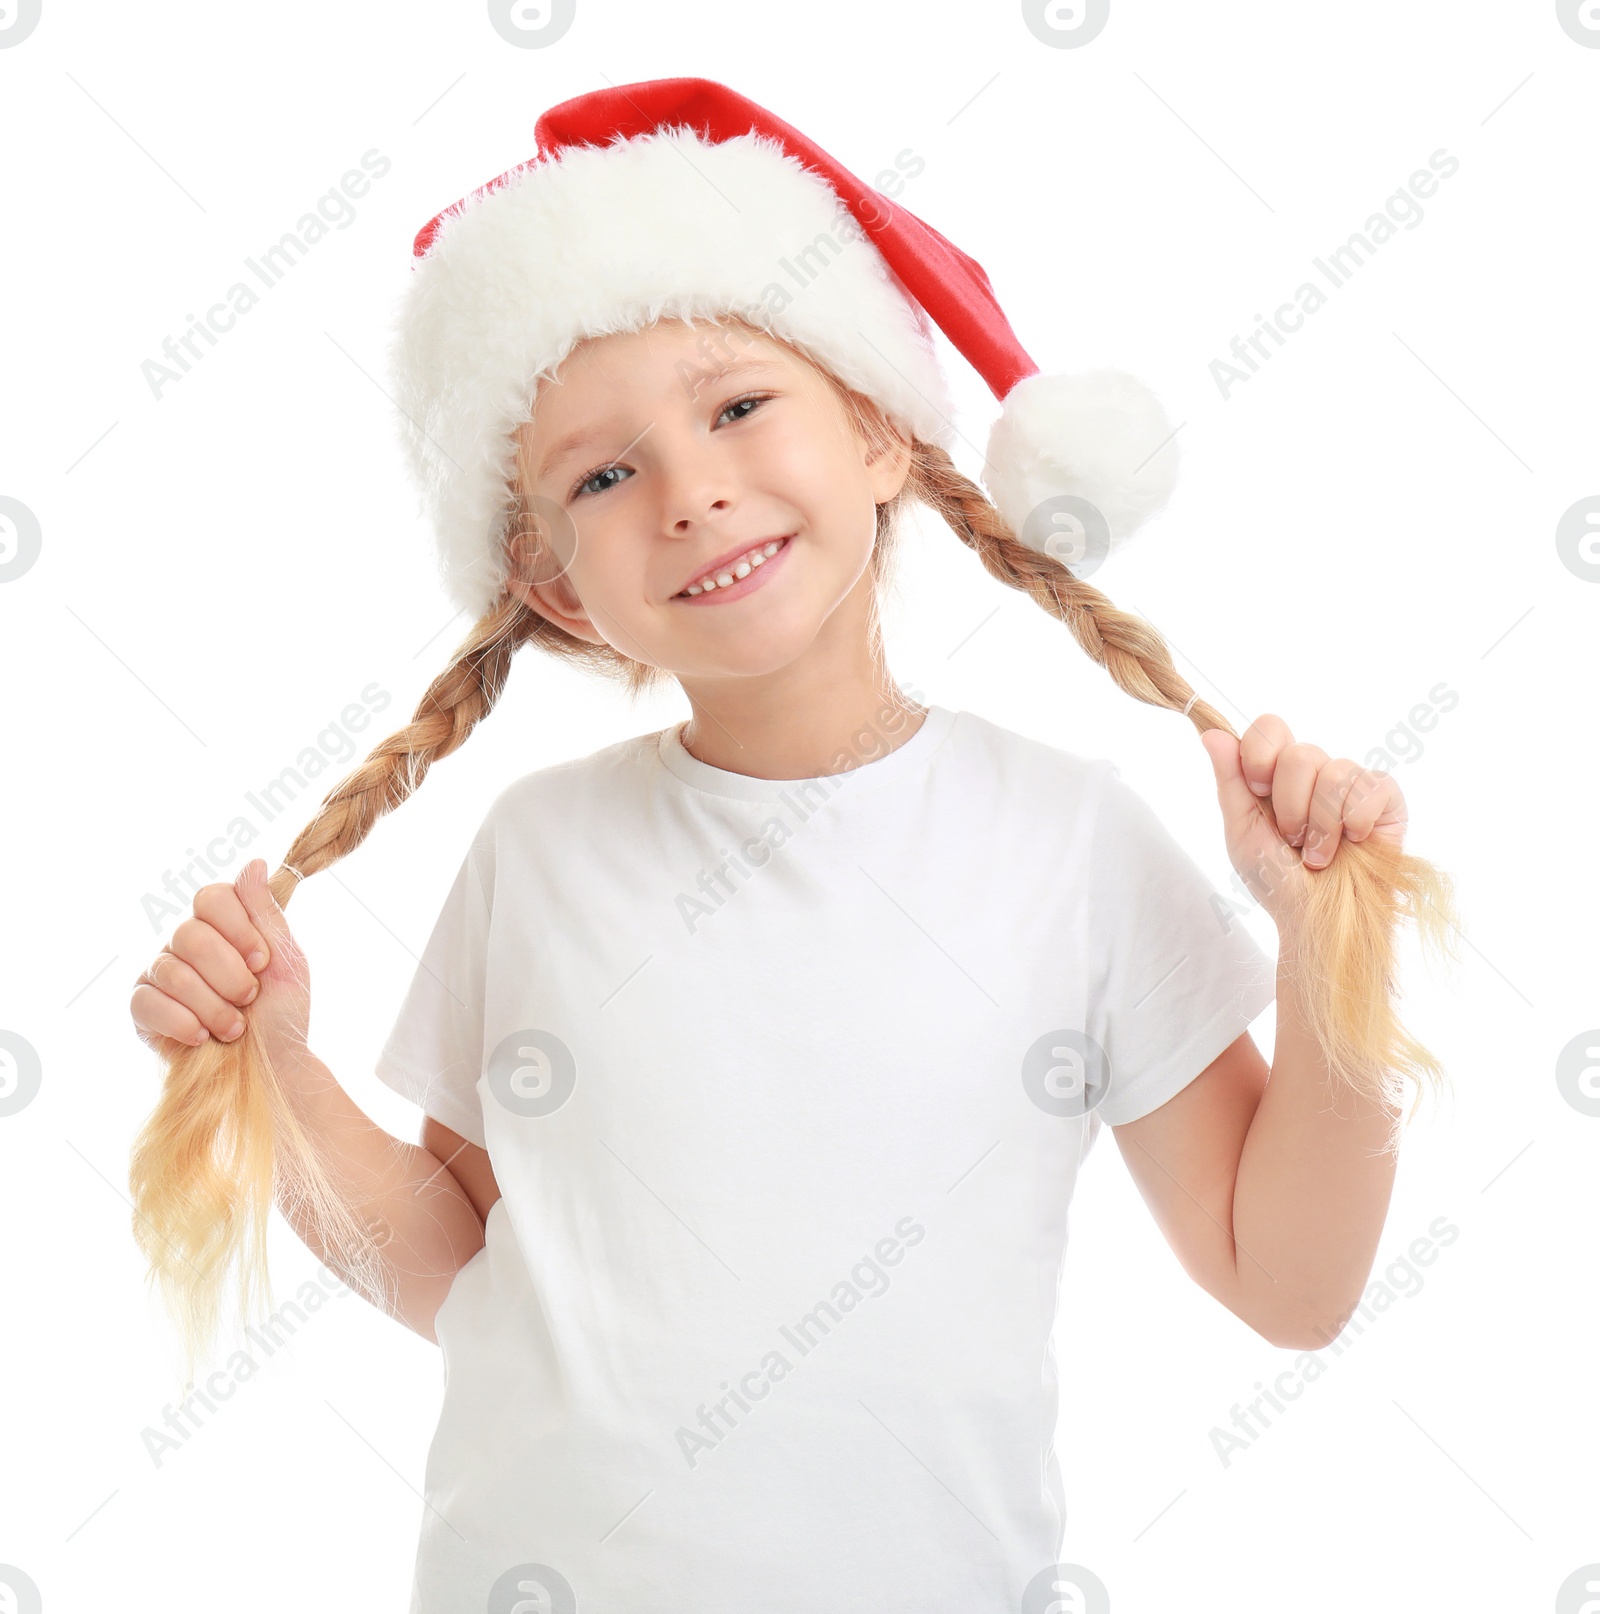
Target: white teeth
[{"x": 740, "y": 568}]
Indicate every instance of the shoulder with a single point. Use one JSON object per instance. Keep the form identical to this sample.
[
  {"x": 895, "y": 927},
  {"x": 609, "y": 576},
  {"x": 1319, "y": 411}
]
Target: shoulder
[
  {"x": 1028, "y": 766},
  {"x": 577, "y": 784},
  {"x": 1095, "y": 822}
]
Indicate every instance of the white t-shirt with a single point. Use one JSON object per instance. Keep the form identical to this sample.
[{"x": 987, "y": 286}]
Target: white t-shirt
[{"x": 786, "y": 1084}]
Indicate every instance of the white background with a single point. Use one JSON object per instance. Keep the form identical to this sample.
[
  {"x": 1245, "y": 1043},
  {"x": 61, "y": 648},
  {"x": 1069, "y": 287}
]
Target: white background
[{"x": 224, "y": 569}]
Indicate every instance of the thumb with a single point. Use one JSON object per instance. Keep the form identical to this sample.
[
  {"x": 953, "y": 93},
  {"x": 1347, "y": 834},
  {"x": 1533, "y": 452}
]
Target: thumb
[
  {"x": 1237, "y": 800},
  {"x": 265, "y": 913}
]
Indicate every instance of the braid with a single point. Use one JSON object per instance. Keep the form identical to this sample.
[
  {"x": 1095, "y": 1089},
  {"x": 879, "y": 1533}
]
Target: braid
[
  {"x": 450, "y": 708},
  {"x": 1127, "y": 646},
  {"x": 224, "y": 1139},
  {"x": 1345, "y": 960}
]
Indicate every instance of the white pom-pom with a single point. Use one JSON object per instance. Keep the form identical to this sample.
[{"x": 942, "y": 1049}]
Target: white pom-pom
[{"x": 1076, "y": 463}]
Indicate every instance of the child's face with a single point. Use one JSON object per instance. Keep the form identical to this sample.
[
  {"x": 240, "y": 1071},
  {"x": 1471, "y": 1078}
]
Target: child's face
[{"x": 669, "y": 479}]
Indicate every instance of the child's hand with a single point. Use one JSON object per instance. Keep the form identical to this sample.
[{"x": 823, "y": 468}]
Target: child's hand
[
  {"x": 203, "y": 982},
  {"x": 1318, "y": 802}
]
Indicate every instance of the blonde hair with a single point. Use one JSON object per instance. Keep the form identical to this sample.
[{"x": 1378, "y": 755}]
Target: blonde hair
[{"x": 223, "y": 1137}]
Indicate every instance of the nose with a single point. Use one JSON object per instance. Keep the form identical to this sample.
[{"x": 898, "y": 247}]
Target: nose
[
  {"x": 686, "y": 524},
  {"x": 696, "y": 484}
]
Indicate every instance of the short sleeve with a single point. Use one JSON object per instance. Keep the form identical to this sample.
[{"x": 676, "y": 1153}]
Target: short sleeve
[
  {"x": 1179, "y": 976},
  {"x": 434, "y": 1054}
]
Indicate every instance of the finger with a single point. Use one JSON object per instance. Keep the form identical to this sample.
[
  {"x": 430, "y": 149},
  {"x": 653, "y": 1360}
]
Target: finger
[
  {"x": 220, "y": 907},
  {"x": 262, "y": 909},
  {"x": 215, "y": 959},
  {"x": 1234, "y": 796},
  {"x": 1259, "y": 746},
  {"x": 1375, "y": 798},
  {"x": 1325, "y": 822},
  {"x": 1293, "y": 779},
  {"x": 182, "y": 983},
  {"x": 161, "y": 1021}
]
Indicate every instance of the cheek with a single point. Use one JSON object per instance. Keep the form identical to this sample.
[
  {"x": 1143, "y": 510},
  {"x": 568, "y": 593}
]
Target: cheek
[
  {"x": 802, "y": 439},
  {"x": 616, "y": 559},
  {"x": 817, "y": 472}
]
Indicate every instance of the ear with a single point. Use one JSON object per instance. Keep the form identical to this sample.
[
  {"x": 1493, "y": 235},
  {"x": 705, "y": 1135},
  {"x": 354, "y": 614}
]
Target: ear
[
  {"x": 556, "y": 599},
  {"x": 888, "y": 463}
]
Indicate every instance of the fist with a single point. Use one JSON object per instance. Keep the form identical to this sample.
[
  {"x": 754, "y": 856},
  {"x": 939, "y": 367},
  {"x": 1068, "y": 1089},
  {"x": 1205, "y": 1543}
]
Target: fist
[
  {"x": 234, "y": 956},
  {"x": 1287, "y": 807}
]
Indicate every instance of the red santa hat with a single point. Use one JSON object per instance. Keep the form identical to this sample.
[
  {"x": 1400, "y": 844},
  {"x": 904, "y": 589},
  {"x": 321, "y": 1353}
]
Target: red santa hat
[{"x": 679, "y": 198}]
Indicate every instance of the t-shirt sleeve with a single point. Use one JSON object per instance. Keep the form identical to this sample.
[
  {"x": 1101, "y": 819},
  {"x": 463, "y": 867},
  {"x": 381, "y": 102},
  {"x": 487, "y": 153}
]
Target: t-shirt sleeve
[
  {"x": 1179, "y": 976},
  {"x": 434, "y": 1054}
]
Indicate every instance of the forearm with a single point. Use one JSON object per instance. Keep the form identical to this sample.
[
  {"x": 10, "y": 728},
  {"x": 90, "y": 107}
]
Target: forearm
[
  {"x": 1312, "y": 1191},
  {"x": 422, "y": 1222}
]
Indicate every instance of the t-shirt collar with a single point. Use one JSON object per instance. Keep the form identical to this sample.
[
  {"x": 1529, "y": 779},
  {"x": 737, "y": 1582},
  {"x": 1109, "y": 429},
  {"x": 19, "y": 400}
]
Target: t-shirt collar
[{"x": 871, "y": 771}]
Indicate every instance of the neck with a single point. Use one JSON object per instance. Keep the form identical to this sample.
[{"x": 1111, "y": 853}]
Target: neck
[
  {"x": 830, "y": 710},
  {"x": 848, "y": 728}
]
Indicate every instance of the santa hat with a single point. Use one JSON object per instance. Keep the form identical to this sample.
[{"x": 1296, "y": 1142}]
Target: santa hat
[{"x": 679, "y": 198}]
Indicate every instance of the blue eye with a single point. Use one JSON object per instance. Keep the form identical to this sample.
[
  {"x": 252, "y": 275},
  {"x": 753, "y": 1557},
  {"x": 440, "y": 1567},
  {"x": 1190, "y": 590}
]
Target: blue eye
[
  {"x": 582, "y": 488},
  {"x": 752, "y": 398}
]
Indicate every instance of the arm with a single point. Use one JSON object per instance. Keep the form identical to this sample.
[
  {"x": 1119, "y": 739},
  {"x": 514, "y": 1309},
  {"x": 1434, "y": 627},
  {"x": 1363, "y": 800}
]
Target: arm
[
  {"x": 468, "y": 1164},
  {"x": 433, "y": 1222},
  {"x": 1272, "y": 1192},
  {"x": 1272, "y": 1198}
]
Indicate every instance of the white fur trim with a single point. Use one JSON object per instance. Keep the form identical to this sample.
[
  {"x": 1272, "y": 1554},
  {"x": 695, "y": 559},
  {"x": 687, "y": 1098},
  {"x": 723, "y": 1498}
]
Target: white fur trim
[
  {"x": 611, "y": 238},
  {"x": 1101, "y": 436}
]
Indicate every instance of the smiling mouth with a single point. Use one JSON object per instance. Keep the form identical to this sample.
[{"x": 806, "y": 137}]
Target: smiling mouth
[{"x": 733, "y": 572}]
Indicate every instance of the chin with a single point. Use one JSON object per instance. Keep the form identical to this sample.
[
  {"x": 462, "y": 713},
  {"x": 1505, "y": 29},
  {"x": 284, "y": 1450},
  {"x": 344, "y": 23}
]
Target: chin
[
  {"x": 761, "y": 661},
  {"x": 760, "y": 649}
]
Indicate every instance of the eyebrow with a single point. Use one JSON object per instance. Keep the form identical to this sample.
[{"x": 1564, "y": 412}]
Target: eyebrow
[{"x": 575, "y": 440}]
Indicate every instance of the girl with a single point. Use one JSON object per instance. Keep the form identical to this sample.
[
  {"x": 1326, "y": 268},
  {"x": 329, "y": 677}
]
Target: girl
[{"x": 757, "y": 1056}]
